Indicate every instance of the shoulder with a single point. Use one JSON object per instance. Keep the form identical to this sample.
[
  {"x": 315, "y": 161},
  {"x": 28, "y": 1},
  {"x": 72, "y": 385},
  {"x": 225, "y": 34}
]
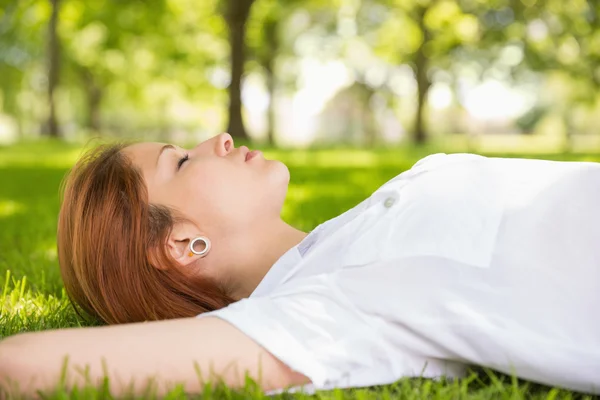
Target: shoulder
[
  {"x": 313, "y": 328},
  {"x": 439, "y": 159}
]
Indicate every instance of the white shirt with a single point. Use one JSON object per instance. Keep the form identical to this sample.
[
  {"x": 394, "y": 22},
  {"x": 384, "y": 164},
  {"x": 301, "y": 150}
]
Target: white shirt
[{"x": 460, "y": 260}]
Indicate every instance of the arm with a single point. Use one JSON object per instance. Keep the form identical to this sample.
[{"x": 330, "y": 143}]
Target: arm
[{"x": 134, "y": 353}]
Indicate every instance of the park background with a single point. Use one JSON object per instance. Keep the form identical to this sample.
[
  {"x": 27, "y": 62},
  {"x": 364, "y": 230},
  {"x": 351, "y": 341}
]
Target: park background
[
  {"x": 347, "y": 93},
  {"x": 499, "y": 74}
]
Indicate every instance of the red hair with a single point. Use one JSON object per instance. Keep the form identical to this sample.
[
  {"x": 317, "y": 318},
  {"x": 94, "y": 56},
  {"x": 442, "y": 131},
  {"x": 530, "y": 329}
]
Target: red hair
[{"x": 110, "y": 241}]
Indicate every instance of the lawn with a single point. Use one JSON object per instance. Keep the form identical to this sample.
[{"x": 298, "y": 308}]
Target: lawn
[{"x": 324, "y": 183}]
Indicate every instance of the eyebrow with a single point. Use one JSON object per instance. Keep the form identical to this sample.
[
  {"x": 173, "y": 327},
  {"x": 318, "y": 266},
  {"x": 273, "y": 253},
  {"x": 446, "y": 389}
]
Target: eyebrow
[{"x": 165, "y": 147}]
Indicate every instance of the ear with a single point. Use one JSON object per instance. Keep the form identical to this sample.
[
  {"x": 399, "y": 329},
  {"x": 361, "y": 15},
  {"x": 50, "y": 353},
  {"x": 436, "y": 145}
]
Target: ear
[{"x": 178, "y": 243}]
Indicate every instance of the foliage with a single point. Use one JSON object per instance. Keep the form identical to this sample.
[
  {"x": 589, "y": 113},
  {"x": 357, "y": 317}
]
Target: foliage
[{"x": 164, "y": 68}]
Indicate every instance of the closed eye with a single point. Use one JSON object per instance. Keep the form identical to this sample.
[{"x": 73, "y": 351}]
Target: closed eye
[{"x": 182, "y": 160}]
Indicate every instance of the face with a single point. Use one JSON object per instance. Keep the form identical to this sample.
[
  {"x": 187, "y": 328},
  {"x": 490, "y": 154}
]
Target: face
[{"x": 213, "y": 184}]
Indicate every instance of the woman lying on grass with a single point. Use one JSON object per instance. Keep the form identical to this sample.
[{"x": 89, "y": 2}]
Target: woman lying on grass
[{"x": 461, "y": 260}]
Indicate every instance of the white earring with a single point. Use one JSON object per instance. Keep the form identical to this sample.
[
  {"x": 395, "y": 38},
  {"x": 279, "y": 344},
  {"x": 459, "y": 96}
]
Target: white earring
[{"x": 204, "y": 250}]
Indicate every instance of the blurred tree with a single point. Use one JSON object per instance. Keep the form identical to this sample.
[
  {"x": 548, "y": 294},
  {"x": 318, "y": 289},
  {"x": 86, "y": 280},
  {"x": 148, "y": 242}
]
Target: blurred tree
[
  {"x": 21, "y": 49},
  {"x": 271, "y": 35},
  {"x": 564, "y": 38},
  {"x": 145, "y": 62},
  {"x": 135, "y": 60},
  {"x": 144, "y": 52},
  {"x": 53, "y": 53},
  {"x": 556, "y": 35},
  {"x": 422, "y": 33},
  {"x": 236, "y": 13},
  {"x": 11, "y": 67},
  {"x": 552, "y": 37},
  {"x": 97, "y": 37},
  {"x": 264, "y": 44}
]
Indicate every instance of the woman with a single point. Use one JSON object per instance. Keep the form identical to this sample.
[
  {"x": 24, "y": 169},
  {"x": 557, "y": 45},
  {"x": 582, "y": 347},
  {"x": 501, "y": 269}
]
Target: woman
[{"x": 460, "y": 260}]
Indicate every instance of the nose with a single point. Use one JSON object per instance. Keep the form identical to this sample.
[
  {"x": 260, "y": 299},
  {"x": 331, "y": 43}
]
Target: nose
[{"x": 224, "y": 144}]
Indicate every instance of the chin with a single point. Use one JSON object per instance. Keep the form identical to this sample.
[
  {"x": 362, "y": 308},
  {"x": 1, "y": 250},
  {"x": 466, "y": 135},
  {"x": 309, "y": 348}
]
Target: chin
[
  {"x": 278, "y": 172},
  {"x": 279, "y": 179}
]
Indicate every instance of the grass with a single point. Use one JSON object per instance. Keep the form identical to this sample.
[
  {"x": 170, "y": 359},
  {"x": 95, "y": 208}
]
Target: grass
[{"x": 324, "y": 183}]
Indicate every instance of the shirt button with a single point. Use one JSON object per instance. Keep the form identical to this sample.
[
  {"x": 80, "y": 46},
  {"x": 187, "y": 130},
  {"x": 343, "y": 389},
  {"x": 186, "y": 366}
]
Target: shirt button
[{"x": 389, "y": 202}]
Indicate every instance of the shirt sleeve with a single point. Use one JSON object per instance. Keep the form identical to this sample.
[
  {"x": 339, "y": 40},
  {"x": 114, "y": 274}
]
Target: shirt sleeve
[{"x": 314, "y": 330}]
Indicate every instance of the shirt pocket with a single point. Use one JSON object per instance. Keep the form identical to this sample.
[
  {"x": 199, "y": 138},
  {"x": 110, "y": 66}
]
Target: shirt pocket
[{"x": 452, "y": 212}]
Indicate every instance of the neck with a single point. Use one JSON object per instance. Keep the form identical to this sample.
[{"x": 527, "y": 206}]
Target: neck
[{"x": 260, "y": 253}]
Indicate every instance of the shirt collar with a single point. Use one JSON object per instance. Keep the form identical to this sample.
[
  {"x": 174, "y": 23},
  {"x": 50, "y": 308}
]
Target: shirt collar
[{"x": 282, "y": 266}]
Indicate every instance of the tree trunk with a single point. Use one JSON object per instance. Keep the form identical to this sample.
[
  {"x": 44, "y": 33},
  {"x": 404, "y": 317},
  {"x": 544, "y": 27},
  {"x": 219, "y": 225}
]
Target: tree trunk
[
  {"x": 423, "y": 83},
  {"x": 19, "y": 121},
  {"x": 272, "y": 39},
  {"x": 52, "y": 128},
  {"x": 94, "y": 99},
  {"x": 568, "y": 145},
  {"x": 371, "y": 125},
  {"x": 236, "y": 16},
  {"x": 367, "y": 115},
  {"x": 271, "y": 108}
]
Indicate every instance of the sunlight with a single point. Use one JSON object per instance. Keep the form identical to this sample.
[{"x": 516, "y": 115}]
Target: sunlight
[
  {"x": 493, "y": 99},
  {"x": 8, "y": 130},
  {"x": 10, "y": 207},
  {"x": 319, "y": 82},
  {"x": 297, "y": 115},
  {"x": 440, "y": 96},
  {"x": 50, "y": 253}
]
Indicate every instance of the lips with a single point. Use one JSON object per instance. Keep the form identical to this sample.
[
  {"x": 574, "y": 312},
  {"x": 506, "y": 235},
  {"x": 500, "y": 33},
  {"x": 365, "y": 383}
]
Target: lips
[{"x": 252, "y": 154}]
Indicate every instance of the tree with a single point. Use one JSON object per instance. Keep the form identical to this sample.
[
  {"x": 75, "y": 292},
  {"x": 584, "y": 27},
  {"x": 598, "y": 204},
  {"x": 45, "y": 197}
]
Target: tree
[
  {"x": 53, "y": 54},
  {"x": 236, "y": 13},
  {"x": 267, "y": 42},
  {"x": 564, "y": 37},
  {"x": 422, "y": 33},
  {"x": 557, "y": 38},
  {"x": 123, "y": 65},
  {"x": 20, "y": 49},
  {"x": 421, "y": 68},
  {"x": 98, "y": 33},
  {"x": 148, "y": 53},
  {"x": 267, "y": 17}
]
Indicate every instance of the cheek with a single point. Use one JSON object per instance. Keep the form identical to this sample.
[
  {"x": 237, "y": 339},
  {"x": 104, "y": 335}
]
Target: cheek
[
  {"x": 223, "y": 191},
  {"x": 216, "y": 188}
]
